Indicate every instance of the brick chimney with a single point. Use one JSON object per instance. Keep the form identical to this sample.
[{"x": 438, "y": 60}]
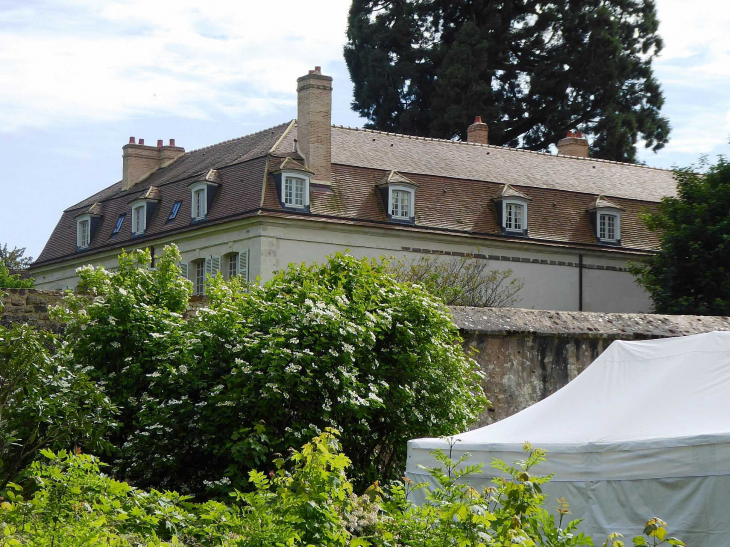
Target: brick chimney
[
  {"x": 478, "y": 131},
  {"x": 139, "y": 160},
  {"x": 314, "y": 122},
  {"x": 574, "y": 144}
]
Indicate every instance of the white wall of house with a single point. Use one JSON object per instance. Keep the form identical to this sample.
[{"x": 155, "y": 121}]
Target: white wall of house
[{"x": 550, "y": 273}]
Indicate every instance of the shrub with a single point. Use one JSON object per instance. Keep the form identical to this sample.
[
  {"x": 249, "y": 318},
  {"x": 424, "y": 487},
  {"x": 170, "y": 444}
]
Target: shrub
[
  {"x": 462, "y": 281},
  {"x": 339, "y": 345},
  {"x": 265, "y": 368},
  {"x": 306, "y": 501},
  {"x": 46, "y": 401},
  {"x": 8, "y": 281}
]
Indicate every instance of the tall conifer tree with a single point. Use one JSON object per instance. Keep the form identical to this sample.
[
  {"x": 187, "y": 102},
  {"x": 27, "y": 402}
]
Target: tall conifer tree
[{"x": 532, "y": 69}]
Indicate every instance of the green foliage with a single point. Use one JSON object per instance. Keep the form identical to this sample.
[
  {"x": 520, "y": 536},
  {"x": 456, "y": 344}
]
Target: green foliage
[
  {"x": 462, "y": 281},
  {"x": 691, "y": 272},
  {"x": 46, "y": 401},
  {"x": 125, "y": 325},
  {"x": 8, "y": 281},
  {"x": 14, "y": 259},
  {"x": 532, "y": 69},
  {"x": 307, "y": 501},
  {"x": 265, "y": 368}
]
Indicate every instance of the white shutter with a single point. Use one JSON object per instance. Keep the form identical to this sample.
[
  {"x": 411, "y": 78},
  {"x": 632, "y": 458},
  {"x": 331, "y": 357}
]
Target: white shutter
[
  {"x": 215, "y": 265},
  {"x": 184, "y": 270},
  {"x": 243, "y": 264},
  {"x": 208, "y": 267}
]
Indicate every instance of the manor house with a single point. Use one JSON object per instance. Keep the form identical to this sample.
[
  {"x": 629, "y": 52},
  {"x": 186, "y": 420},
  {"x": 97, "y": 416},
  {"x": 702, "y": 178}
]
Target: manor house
[{"x": 566, "y": 224}]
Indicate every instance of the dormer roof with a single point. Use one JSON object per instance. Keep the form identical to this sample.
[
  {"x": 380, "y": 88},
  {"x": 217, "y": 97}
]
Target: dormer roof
[
  {"x": 152, "y": 194},
  {"x": 603, "y": 203},
  {"x": 507, "y": 191},
  {"x": 95, "y": 210},
  {"x": 393, "y": 177},
  {"x": 290, "y": 164}
]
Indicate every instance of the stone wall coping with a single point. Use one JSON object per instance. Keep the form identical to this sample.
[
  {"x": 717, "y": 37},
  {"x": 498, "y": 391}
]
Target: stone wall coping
[{"x": 507, "y": 321}]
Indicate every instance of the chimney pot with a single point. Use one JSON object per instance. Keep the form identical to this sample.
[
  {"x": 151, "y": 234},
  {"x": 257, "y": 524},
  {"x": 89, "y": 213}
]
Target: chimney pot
[
  {"x": 159, "y": 143},
  {"x": 574, "y": 144},
  {"x": 478, "y": 132},
  {"x": 318, "y": 70},
  {"x": 131, "y": 140},
  {"x": 311, "y": 71},
  {"x": 141, "y": 141},
  {"x": 172, "y": 142}
]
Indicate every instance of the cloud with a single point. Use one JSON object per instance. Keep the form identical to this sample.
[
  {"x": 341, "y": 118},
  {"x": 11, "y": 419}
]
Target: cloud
[{"x": 74, "y": 62}]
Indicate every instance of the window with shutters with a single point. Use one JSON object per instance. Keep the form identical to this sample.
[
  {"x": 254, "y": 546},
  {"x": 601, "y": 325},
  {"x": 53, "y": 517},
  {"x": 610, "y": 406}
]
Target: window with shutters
[{"x": 199, "y": 279}]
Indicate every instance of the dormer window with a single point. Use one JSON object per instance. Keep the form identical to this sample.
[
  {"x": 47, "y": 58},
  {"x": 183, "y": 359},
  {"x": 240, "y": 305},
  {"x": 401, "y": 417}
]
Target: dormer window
[
  {"x": 86, "y": 224},
  {"x": 512, "y": 208},
  {"x": 514, "y": 216},
  {"x": 202, "y": 193},
  {"x": 606, "y": 220},
  {"x": 292, "y": 185},
  {"x": 139, "y": 219},
  {"x": 294, "y": 189},
  {"x": 399, "y": 197},
  {"x": 200, "y": 197},
  {"x": 83, "y": 234}
]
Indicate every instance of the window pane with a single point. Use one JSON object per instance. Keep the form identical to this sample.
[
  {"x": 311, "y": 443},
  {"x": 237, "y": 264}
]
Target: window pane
[
  {"x": 138, "y": 218},
  {"x": 118, "y": 226},
  {"x": 299, "y": 192},
  {"x": 518, "y": 217},
  {"x": 400, "y": 204},
  {"x": 232, "y": 265},
  {"x": 175, "y": 209},
  {"x": 199, "y": 277}
]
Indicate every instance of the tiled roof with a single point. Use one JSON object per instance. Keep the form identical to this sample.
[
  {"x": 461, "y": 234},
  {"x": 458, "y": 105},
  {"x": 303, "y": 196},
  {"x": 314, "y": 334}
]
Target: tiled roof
[
  {"x": 456, "y": 184},
  {"x": 368, "y": 148}
]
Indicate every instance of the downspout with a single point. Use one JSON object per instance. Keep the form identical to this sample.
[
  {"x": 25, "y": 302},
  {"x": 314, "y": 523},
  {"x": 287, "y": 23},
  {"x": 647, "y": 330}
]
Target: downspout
[{"x": 580, "y": 282}]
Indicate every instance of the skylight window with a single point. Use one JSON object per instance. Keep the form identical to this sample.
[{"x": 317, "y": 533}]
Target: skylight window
[
  {"x": 119, "y": 223},
  {"x": 175, "y": 209}
]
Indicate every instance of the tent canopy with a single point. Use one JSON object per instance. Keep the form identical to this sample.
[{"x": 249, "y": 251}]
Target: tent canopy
[{"x": 644, "y": 417}]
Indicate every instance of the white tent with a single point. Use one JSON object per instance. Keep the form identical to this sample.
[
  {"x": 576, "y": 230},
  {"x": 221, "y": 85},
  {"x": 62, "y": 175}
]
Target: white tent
[{"x": 644, "y": 431}]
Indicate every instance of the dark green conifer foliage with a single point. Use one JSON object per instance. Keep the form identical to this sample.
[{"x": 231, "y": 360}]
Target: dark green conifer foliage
[{"x": 532, "y": 69}]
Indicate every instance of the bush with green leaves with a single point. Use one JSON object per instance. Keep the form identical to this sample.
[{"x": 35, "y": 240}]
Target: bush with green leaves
[
  {"x": 47, "y": 400},
  {"x": 264, "y": 368},
  {"x": 306, "y": 501},
  {"x": 690, "y": 274},
  {"x": 13, "y": 281}
]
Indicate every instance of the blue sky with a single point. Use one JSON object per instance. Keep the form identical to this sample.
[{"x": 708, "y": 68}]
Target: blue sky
[{"x": 80, "y": 77}]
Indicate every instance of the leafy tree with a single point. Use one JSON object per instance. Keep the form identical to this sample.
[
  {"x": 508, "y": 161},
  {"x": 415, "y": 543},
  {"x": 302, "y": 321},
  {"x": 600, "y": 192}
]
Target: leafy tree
[
  {"x": 265, "y": 368},
  {"x": 532, "y": 69},
  {"x": 14, "y": 281},
  {"x": 14, "y": 259},
  {"x": 46, "y": 401},
  {"x": 691, "y": 272},
  {"x": 463, "y": 281}
]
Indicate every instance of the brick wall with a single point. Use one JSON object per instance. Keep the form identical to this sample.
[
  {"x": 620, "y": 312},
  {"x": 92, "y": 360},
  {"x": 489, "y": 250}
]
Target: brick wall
[{"x": 526, "y": 355}]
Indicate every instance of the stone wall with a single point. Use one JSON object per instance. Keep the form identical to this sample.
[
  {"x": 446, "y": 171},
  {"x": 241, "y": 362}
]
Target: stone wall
[
  {"x": 28, "y": 306},
  {"x": 526, "y": 354},
  {"x": 529, "y": 354}
]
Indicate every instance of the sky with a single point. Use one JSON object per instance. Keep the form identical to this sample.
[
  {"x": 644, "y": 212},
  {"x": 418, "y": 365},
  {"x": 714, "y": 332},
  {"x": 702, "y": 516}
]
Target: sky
[{"x": 80, "y": 77}]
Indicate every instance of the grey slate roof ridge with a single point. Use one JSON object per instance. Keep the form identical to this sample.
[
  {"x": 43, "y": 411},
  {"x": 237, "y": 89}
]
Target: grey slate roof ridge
[{"x": 494, "y": 146}]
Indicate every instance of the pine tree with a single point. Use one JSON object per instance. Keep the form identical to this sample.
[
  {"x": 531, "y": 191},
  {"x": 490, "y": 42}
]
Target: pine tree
[{"x": 532, "y": 69}]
